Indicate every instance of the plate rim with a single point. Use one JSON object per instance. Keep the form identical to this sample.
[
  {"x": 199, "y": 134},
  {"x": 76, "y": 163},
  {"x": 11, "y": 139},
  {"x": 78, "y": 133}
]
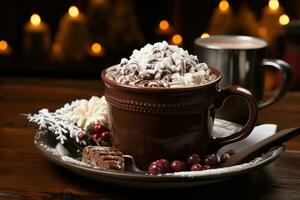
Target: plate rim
[{"x": 127, "y": 176}]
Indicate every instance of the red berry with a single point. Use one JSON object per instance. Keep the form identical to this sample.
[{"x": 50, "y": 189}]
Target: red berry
[
  {"x": 82, "y": 135},
  {"x": 165, "y": 164},
  {"x": 196, "y": 167},
  {"x": 178, "y": 166},
  {"x": 205, "y": 167},
  {"x": 193, "y": 159},
  {"x": 105, "y": 135},
  {"x": 98, "y": 128},
  {"x": 96, "y": 137},
  {"x": 155, "y": 168},
  {"x": 211, "y": 160}
]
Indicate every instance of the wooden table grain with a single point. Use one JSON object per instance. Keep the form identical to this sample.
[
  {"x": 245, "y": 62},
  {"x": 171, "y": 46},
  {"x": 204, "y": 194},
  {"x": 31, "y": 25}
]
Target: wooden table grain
[{"x": 26, "y": 174}]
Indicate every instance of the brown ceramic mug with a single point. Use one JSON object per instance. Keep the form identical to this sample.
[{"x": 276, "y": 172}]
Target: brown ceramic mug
[{"x": 170, "y": 123}]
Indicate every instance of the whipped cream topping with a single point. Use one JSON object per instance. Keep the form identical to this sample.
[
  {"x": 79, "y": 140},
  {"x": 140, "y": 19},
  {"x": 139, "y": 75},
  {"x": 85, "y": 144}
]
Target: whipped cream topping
[
  {"x": 90, "y": 111},
  {"x": 161, "y": 65}
]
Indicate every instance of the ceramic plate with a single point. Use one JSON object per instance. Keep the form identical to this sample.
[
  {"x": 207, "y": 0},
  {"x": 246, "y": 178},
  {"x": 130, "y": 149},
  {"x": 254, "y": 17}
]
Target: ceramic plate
[{"x": 171, "y": 180}]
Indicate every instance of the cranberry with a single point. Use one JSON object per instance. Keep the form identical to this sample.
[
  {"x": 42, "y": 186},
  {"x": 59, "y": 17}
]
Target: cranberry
[
  {"x": 155, "y": 168},
  {"x": 224, "y": 157},
  {"x": 98, "y": 128},
  {"x": 178, "y": 166},
  {"x": 95, "y": 138},
  {"x": 165, "y": 164},
  {"x": 82, "y": 135},
  {"x": 211, "y": 160},
  {"x": 205, "y": 167},
  {"x": 105, "y": 135},
  {"x": 196, "y": 167},
  {"x": 193, "y": 159}
]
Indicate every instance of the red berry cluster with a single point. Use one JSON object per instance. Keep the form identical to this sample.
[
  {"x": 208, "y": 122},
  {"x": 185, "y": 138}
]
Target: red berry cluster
[
  {"x": 193, "y": 163},
  {"x": 96, "y": 134},
  {"x": 159, "y": 167}
]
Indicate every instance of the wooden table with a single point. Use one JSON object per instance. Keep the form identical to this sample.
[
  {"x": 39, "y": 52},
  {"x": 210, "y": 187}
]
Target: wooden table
[{"x": 26, "y": 174}]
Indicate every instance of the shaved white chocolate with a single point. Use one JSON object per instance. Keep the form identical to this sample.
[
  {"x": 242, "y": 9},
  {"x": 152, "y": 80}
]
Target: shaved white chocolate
[{"x": 161, "y": 65}]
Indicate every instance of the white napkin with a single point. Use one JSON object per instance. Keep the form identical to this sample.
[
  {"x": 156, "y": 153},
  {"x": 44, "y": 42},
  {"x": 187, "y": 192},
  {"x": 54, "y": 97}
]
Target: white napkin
[{"x": 258, "y": 134}]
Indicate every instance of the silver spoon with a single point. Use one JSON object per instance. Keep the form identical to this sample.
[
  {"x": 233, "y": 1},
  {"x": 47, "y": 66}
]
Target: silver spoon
[
  {"x": 261, "y": 147},
  {"x": 130, "y": 165}
]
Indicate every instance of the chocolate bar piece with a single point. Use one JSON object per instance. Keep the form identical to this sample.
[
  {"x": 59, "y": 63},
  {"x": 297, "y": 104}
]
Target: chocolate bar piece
[{"x": 103, "y": 157}]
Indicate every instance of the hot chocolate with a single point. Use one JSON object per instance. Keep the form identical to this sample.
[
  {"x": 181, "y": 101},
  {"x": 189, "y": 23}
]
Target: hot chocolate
[
  {"x": 223, "y": 42},
  {"x": 161, "y": 65},
  {"x": 150, "y": 120}
]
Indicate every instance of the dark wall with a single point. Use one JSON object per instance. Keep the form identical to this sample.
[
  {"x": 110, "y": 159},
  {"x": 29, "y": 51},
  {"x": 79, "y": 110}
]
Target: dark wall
[{"x": 190, "y": 17}]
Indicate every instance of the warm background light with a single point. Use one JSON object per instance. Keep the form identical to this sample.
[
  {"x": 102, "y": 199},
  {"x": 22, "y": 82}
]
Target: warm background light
[
  {"x": 177, "y": 39},
  {"x": 35, "y": 19},
  {"x": 273, "y": 4},
  {"x": 56, "y": 48},
  {"x": 284, "y": 19},
  {"x": 262, "y": 31},
  {"x": 204, "y": 35},
  {"x": 223, "y": 5},
  {"x": 3, "y": 45},
  {"x": 164, "y": 25},
  {"x": 96, "y": 47},
  {"x": 73, "y": 11}
]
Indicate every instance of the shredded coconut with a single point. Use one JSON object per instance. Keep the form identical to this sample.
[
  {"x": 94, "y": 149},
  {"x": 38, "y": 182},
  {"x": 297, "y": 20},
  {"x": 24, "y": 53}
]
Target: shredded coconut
[{"x": 161, "y": 65}]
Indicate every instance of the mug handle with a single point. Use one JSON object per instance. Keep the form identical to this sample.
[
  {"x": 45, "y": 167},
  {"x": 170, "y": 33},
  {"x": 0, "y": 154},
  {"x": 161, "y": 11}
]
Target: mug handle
[
  {"x": 286, "y": 74},
  {"x": 223, "y": 94}
]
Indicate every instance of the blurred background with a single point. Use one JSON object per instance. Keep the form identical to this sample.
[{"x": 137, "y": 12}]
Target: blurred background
[{"x": 79, "y": 38}]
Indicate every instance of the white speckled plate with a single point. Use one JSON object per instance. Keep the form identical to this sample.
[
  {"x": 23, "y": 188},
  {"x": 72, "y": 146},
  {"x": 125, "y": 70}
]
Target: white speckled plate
[{"x": 172, "y": 180}]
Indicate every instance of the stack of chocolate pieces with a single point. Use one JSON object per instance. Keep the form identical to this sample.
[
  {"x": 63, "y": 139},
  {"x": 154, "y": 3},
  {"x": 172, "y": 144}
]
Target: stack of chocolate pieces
[{"x": 103, "y": 157}]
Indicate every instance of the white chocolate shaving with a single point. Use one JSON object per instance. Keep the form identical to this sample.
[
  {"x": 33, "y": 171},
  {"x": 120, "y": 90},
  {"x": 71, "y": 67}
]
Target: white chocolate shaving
[{"x": 161, "y": 65}]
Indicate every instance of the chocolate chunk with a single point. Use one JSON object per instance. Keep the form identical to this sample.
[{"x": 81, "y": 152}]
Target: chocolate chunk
[{"x": 103, "y": 157}]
